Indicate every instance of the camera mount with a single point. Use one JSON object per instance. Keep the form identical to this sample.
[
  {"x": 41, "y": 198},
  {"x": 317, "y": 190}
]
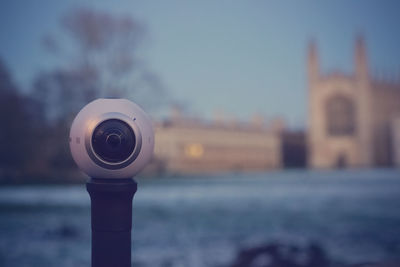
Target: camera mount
[{"x": 111, "y": 216}]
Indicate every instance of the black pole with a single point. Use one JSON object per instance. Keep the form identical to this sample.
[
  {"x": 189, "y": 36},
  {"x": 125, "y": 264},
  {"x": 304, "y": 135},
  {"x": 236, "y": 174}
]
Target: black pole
[{"x": 111, "y": 201}]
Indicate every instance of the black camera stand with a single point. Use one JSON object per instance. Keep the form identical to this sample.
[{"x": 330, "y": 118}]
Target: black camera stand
[{"x": 111, "y": 202}]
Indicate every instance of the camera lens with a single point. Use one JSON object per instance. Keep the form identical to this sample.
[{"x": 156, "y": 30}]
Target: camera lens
[{"x": 113, "y": 140}]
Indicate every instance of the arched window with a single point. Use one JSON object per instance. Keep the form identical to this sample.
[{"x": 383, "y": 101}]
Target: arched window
[{"x": 340, "y": 112}]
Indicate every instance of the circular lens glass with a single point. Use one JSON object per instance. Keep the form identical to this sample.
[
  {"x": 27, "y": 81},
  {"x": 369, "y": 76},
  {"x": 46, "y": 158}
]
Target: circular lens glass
[{"x": 113, "y": 140}]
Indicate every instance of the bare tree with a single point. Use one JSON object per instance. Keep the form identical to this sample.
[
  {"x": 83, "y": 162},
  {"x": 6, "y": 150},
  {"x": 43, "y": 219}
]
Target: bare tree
[
  {"x": 101, "y": 61},
  {"x": 21, "y": 120}
]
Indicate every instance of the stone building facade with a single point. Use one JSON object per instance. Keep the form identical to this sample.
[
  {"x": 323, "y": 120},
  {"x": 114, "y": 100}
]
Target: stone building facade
[
  {"x": 190, "y": 146},
  {"x": 350, "y": 115},
  {"x": 396, "y": 141}
]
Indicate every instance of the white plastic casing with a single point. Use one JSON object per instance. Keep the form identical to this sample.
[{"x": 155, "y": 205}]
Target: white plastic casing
[{"x": 94, "y": 113}]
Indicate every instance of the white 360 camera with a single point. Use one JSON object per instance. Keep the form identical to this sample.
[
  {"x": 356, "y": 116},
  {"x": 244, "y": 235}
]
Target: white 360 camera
[{"x": 111, "y": 138}]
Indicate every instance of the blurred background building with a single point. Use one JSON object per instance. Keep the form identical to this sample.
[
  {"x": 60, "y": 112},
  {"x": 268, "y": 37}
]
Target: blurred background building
[
  {"x": 351, "y": 124},
  {"x": 190, "y": 145},
  {"x": 395, "y": 129},
  {"x": 351, "y": 115}
]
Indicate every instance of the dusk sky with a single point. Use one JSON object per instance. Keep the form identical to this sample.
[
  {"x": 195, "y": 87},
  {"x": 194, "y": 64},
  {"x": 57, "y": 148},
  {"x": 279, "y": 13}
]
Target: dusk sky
[{"x": 241, "y": 57}]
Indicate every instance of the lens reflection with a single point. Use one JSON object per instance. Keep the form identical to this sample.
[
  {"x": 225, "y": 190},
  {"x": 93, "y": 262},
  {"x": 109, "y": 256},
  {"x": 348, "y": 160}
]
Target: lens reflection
[{"x": 113, "y": 140}]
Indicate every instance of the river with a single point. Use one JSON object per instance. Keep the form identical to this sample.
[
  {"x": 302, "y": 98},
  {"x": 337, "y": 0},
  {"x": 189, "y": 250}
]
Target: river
[{"x": 205, "y": 220}]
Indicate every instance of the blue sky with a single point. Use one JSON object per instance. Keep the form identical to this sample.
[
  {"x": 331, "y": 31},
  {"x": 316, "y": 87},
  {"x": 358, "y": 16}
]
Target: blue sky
[{"x": 242, "y": 57}]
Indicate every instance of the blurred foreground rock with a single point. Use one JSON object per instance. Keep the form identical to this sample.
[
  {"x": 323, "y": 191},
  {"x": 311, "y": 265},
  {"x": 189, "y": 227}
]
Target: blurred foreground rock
[
  {"x": 381, "y": 264},
  {"x": 279, "y": 255},
  {"x": 282, "y": 255}
]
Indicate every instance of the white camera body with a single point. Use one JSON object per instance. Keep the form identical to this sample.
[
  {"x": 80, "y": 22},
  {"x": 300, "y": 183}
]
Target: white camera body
[{"x": 111, "y": 138}]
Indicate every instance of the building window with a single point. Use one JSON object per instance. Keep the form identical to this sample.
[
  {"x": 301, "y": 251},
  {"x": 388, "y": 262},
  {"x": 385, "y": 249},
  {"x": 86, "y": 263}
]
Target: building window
[
  {"x": 340, "y": 112},
  {"x": 194, "y": 150}
]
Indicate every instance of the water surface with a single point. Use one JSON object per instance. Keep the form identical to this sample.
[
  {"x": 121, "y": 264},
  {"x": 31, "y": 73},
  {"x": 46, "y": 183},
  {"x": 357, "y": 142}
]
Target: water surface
[{"x": 204, "y": 220}]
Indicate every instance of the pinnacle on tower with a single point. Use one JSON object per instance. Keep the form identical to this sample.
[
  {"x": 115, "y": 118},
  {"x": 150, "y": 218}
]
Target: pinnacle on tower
[
  {"x": 313, "y": 66},
  {"x": 361, "y": 63}
]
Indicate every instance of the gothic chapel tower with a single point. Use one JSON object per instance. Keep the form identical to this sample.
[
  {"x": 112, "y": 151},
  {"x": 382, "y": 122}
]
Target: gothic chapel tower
[
  {"x": 364, "y": 109},
  {"x": 339, "y": 133},
  {"x": 314, "y": 132}
]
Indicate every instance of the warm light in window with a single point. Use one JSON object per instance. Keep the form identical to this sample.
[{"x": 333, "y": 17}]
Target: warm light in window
[{"x": 194, "y": 150}]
